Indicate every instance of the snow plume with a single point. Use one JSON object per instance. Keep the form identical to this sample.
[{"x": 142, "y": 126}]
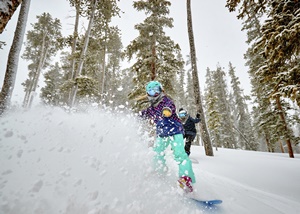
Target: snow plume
[{"x": 77, "y": 163}]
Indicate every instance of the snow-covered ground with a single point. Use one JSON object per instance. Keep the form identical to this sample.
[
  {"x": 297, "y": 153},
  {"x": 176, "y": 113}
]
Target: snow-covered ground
[{"x": 99, "y": 162}]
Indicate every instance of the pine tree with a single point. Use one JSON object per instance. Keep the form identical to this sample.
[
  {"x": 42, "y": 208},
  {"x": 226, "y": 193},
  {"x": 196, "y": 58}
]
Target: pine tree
[
  {"x": 243, "y": 120},
  {"x": 87, "y": 56},
  {"x": 106, "y": 36},
  {"x": 113, "y": 68},
  {"x": 65, "y": 87},
  {"x": 50, "y": 94},
  {"x": 226, "y": 129},
  {"x": 272, "y": 109},
  {"x": 190, "y": 93},
  {"x": 247, "y": 7},
  {"x": 212, "y": 113},
  {"x": 281, "y": 46},
  {"x": 82, "y": 81},
  {"x": 72, "y": 41},
  {"x": 254, "y": 60},
  {"x": 124, "y": 85},
  {"x": 92, "y": 52},
  {"x": 42, "y": 43},
  {"x": 179, "y": 85},
  {"x": 154, "y": 52}
]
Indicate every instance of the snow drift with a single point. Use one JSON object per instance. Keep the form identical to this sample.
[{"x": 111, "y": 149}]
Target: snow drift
[{"x": 92, "y": 162}]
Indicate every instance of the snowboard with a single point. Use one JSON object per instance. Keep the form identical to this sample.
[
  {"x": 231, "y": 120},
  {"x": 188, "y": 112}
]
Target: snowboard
[
  {"x": 207, "y": 206},
  {"x": 207, "y": 202}
]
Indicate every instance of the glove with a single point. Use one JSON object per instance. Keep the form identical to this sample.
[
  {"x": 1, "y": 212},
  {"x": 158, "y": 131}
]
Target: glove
[
  {"x": 198, "y": 115},
  {"x": 166, "y": 112}
]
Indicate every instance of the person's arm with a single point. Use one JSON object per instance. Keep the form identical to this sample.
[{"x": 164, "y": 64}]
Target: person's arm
[
  {"x": 144, "y": 114},
  {"x": 197, "y": 119}
]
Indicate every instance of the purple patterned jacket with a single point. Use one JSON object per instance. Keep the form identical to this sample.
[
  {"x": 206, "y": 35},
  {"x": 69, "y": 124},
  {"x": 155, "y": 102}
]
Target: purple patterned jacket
[{"x": 165, "y": 126}]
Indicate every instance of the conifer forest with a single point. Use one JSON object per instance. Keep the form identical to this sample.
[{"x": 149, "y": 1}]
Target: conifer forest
[{"x": 90, "y": 72}]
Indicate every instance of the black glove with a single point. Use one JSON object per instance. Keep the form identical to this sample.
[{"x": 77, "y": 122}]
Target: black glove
[{"x": 198, "y": 115}]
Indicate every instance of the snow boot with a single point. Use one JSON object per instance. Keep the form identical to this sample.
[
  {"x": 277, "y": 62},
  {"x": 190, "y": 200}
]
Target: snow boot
[{"x": 185, "y": 183}]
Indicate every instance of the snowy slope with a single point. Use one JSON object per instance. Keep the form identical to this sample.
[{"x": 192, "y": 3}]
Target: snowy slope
[
  {"x": 99, "y": 162},
  {"x": 250, "y": 182}
]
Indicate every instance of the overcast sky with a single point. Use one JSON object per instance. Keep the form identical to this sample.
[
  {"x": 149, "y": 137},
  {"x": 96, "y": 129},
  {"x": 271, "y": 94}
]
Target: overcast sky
[{"x": 217, "y": 33}]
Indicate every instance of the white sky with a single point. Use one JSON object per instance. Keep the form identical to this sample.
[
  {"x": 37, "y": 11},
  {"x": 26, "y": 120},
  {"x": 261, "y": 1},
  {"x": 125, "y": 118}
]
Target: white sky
[{"x": 217, "y": 34}]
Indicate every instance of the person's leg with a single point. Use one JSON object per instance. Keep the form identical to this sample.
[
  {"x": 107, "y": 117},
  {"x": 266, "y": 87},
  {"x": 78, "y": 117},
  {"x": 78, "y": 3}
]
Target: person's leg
[
  {"x": 180, "y": 156},
  {"x": 188, "y": 143},
  {"x": 187, "y": 146},
  {"x": 159, "y": 158}
]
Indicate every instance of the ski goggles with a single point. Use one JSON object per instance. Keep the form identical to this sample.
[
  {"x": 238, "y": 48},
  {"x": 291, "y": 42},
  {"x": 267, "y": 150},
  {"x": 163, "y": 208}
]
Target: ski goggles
[
  {"x": 182, "y": 114},
  {"x": 154, "y": 92}
]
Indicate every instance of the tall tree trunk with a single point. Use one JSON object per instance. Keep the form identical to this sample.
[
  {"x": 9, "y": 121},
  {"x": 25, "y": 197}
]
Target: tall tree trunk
[
  {"x": 153, "y": 66},
  {"x": 242, "y": 135},
  {"x": 27, "y": 94},
  {"x": 196, "y": 85},
  {"x": 75, "y": 38},
  {"x": 102, "y": 82},
  {"x": 13, "y": 57},
  {"x": 74, "y": 42},
  {"x": 282, "y": 117},
  {"x": 5, "y": 16},
  {"x": 268, "y": 143},
  {"x": 35, "y": 80},
  {"x": 84, "y": 49},
  {"x": 103, "y": 72},
  {"x": 37, "y": 77},
  {"x": 281, "y": 146}
]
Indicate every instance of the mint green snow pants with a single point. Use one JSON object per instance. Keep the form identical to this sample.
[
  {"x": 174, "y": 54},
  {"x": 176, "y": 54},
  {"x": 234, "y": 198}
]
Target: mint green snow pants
[{"x": 180, "y": 156}]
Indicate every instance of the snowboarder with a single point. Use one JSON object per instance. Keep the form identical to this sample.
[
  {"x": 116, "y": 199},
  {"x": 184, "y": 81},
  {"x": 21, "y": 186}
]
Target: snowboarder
[
  {"x": 169, "y": 131},
  {"x": 189, "y": 128}
]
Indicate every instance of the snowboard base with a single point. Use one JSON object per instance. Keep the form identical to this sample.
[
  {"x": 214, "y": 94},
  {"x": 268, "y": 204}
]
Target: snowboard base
[
  {"x": 207, "y": 206},
  {"x": 208, "y": 202}
]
